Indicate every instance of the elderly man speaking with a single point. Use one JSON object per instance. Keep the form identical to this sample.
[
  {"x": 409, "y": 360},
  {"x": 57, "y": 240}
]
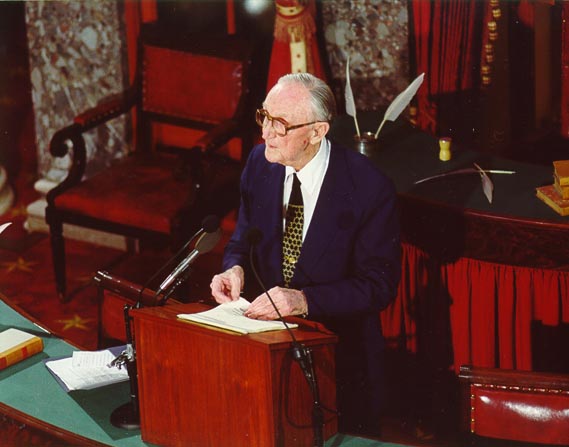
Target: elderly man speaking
[{"x": 330, "y": 246}]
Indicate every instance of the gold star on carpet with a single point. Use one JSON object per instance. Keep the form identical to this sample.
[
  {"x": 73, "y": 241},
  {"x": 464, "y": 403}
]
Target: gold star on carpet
[
  {"x": 76, "y": 322},
  {"x": 20, "y": 264}
]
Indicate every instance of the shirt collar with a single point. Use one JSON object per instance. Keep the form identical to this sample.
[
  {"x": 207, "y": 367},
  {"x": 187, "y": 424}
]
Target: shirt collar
[{"x": 309, "y": 174}]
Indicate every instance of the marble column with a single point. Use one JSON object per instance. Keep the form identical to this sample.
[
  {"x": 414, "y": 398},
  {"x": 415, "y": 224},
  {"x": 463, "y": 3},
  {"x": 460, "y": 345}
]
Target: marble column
[
  {"x": 374, "y": 34},
  {"x": 77, "y": 58}
]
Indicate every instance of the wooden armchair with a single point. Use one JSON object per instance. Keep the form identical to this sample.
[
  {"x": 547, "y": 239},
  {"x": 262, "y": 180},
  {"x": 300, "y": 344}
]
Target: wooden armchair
[
  {"x": 522, "y": 406},
  {"x": 160, "y": 193}
]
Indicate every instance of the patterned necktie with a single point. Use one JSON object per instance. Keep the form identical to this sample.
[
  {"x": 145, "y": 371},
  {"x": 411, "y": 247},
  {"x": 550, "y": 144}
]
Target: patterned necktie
[{"x": 292, "y": 240}]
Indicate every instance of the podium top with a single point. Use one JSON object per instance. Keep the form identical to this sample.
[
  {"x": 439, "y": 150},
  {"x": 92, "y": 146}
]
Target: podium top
[{"x": 308, "y": 332}]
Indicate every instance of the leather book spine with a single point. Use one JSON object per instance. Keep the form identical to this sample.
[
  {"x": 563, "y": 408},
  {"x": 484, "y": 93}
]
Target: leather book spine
[{"x": 20, "y": 352}]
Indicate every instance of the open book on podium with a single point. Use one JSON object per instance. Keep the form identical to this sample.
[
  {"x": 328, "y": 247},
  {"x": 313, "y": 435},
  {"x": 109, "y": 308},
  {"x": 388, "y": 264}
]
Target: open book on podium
[{"x": 231, "y": 316}]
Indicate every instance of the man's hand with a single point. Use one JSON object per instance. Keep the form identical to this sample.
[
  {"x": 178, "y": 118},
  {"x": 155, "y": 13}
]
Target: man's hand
[
  {"x": 288, "y": 301},
  {"x": 227, "y": 286}
]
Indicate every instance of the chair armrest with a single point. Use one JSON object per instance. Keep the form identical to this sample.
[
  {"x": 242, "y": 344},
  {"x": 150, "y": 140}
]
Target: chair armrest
[
  {"x": 513, "y": 378},
  {"x": 71, "y": 137},
  {"x": 217, "y": 136},
  {"x": 110, "y": 108},
  {"x": 63, "y": 140}
]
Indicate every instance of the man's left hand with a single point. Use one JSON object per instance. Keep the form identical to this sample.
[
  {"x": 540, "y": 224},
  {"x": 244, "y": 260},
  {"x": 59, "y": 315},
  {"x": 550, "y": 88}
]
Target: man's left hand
[{"x": 288, "y": 301}]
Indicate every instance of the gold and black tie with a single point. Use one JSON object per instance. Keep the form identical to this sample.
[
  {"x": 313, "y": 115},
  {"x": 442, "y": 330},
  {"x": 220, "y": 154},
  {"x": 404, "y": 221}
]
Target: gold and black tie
[{"x": 292, "y": 239}]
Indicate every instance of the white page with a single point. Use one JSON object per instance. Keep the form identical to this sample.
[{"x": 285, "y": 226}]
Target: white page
[
  {"x": 231, "y": 316},
  {"x": 89, "y": 359},
  {"x": 85, "y": 378},
  {"x": 13, "y": 337}
]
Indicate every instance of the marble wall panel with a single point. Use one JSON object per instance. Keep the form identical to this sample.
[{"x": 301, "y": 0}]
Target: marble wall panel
[
  {"x": 76, "y": 53},
  {"x": 374, "y": 34}
]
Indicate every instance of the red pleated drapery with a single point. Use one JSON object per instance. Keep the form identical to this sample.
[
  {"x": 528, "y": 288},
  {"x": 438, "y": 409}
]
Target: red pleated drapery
[
  {"x": 483, "y": 311},
  {"x": 565, "y": 70},
  {"x": 446, "y": 36}
]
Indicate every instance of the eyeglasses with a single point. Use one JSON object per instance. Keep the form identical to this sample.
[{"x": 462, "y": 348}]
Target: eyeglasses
[{"x": 279, "y": 125}]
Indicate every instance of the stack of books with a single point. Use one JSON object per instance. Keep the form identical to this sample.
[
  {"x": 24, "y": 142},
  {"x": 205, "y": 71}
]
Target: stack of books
[{"x": 557, "y": 194}]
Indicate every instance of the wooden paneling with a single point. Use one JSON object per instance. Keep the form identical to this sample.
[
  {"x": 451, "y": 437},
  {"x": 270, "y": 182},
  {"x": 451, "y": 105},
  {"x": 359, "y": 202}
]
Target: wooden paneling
[{"x": 205, "y": 387}]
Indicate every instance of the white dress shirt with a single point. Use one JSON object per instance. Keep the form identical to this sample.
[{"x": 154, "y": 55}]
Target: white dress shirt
[{"x": 311, "y": 178}]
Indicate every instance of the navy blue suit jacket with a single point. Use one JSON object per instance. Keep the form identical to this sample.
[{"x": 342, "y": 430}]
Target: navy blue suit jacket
[{"x": 349, "y": 265}]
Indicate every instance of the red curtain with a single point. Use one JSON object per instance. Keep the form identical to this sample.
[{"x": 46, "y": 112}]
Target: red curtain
[
  {"x": 565, "y": 70},
  {"x": 482, "y": 311},
  {"x": 447, "y": 37}
]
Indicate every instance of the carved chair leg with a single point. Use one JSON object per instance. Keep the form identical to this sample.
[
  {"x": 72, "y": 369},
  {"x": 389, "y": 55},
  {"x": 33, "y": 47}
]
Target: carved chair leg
[{"x": 58, "y": 256}]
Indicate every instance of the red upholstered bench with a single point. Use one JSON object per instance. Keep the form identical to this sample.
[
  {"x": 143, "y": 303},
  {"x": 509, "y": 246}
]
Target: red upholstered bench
[{"x": 515, "y": 405}]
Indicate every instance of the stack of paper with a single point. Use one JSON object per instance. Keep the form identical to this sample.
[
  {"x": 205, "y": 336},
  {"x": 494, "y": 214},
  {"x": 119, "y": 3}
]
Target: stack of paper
[{"x": 86, "y": 370}]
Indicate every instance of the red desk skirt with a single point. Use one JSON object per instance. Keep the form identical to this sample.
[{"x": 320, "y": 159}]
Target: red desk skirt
[{"x": 479, "y": 311}]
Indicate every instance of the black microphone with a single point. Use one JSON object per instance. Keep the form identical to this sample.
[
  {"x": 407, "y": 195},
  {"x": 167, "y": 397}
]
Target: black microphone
[
  {"x": 208, "y": 239},
  {"x": 300, "y": 353},
  {"x": 209, "y": 224}
]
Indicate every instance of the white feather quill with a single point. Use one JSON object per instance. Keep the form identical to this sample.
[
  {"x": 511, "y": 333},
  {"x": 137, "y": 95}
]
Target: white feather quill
[
  {"x": 349, "y": 98},
  {"x": 487, "y": 185},
  {"x": 464, "y": 171},
  {"x": 401, "y": 101},
  {"x": 4, "y": 226}
]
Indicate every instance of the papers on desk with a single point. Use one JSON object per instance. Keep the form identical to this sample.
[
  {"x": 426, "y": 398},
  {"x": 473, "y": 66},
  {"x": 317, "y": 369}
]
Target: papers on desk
[
  {"x": 86, "y": 370},
  {"x": 230, "y": 316}
]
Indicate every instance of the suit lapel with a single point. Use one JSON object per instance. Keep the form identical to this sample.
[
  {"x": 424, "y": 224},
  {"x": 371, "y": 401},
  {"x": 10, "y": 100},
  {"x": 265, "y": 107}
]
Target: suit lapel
[
  {"x": 334, "y": 199},
  {"x": 269, "y": 217}
]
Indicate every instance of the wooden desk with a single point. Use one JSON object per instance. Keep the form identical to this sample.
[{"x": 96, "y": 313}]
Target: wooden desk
[
  {"x": 476, "y": 276},
  {"x": 451, "y": 216},
  {"x": 32, "y": 397}
]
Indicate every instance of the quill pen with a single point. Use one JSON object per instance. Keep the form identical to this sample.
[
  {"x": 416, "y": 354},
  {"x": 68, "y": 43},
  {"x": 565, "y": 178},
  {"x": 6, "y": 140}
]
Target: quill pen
[
  {"x": 401, "y": 101},
  {"x": 4, "y": 226},
  {"x": 349, "y": 98},
  {"x": 487, "y": 185},
  {"x": 464, "y": 171}
]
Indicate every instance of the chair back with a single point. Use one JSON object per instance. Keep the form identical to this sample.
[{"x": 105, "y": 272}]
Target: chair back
[
  {"x": 191, "y": 86},
  {"x": 513, "y": 405}
]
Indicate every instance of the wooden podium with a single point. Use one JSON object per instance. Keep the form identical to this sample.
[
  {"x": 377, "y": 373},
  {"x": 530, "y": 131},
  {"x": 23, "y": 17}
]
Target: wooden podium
[{"x": 201, "y": 386}]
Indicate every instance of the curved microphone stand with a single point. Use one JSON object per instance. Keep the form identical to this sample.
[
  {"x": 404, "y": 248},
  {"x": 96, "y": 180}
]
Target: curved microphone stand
[{"x": 300, "y": 353}]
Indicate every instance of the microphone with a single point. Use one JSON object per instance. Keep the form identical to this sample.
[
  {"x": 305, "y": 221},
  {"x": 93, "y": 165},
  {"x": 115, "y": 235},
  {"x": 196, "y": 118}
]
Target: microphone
[
  {"x": 210, "y": 235},
  {"x": 300, "y": 353},
  {"x": 209, "y": 224}
]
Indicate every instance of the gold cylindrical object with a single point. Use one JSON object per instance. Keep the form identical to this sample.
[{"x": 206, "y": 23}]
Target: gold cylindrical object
[{"x": 444, "y": 148}]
